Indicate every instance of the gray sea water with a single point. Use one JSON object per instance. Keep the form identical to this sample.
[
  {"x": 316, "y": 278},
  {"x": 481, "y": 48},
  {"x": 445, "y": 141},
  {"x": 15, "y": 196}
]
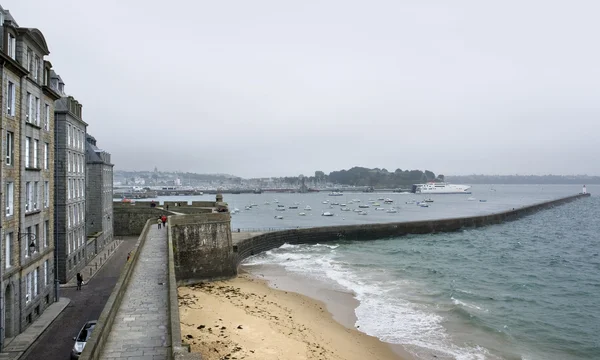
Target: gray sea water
[{"x": 527, "y": 289}]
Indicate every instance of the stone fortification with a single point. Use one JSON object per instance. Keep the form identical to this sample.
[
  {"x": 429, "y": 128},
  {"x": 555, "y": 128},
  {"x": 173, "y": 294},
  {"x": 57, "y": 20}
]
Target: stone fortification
[{"x": 202, "y": 247}]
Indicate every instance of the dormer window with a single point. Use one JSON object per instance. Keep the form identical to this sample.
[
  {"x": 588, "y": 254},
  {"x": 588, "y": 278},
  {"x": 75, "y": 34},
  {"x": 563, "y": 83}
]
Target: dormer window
[
  {"x": 29, "y": 59},
  {"x": 12, "y": 46},
  {"x": 61, "y": 88},
  {"x": 36, "y": 68}
]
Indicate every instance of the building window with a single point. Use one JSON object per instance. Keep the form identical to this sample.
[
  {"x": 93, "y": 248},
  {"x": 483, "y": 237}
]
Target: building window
[
  {"x": 46, "y": 194},
  {"x": 10, "y": 99},
  {"x": 69, "y": 135},
  {"x": 47, "y": 121},
  {"x": 35, "y": 238},
  {"x": 46, "y": 146},
  {"x": 69, "y": 184},
  {"x": 36, "y": 275},
  {"x": 12, "y": 46},
  {"x": 29, "y": 113},
  {"x": 28, "y": 197},
  {"x": 28, "y": 288},
  {"x": 35, "y": 153},
  {"x": 69, "y": 216},
  {"x": 46, "y": 233},
  {"x": 45, "y": 273},
  {"x": 29, "y": 60},
  {"x": 36, "y": 194},
  {"x": 7, "y": 250},
  {"x": 27, "y": 144},
  {"x": 36, "y": 68},
  {"x": 37, "y": 111},
  {"x": 10, "y": 145},
  {"x": 10, "y": 198},
  {"x": 26, "y": 242}
]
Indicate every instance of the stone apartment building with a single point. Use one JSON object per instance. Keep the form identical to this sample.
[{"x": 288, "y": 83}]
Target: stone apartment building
[
  {"x": 27, "y": 173},
  {"x": 69, "y": 191},
  {"x": 99, "y": 202}
]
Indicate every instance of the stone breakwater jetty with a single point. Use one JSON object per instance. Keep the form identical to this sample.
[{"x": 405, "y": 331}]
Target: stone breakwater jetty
[{"x": 141, "y": 317}]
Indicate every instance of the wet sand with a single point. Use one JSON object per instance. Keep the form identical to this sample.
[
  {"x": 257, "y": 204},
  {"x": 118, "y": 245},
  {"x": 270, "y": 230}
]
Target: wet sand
[{"x": 244, "y": 318}]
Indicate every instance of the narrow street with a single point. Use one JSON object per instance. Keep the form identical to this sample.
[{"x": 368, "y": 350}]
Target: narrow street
[{"x": 57, "y": 341}]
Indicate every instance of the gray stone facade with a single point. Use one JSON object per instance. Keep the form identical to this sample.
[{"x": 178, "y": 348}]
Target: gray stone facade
[
  {"x": 99, "y": 189},
  {"x": 27, "y": 185},
  {"x": 69, "y": 190}
]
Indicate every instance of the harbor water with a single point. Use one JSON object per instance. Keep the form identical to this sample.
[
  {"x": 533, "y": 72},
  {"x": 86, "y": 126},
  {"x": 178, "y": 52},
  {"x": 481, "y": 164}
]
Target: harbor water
[{"x": 526, "y": 289}]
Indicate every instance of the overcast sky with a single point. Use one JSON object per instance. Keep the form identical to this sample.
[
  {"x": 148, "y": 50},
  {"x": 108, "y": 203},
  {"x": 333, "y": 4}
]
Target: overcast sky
[{"x": 269, "y": 88}]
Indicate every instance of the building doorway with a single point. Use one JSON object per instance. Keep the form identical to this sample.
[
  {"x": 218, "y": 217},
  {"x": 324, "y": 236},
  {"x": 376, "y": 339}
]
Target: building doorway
[{"x": 8, "y": 312}]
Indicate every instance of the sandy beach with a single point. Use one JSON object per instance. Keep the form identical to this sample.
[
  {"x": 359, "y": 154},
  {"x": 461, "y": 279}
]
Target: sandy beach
[{"x": 244, "y": 318}]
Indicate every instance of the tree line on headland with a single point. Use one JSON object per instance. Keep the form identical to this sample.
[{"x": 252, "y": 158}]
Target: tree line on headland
[{"x": 361, "y": 176}]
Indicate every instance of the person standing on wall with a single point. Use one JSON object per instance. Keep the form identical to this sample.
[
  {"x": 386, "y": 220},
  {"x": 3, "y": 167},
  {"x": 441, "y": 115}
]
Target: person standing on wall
[
  {"x": 79, "y": 281},
  {"x": 159, "y": 222},
  {"x": 164, "y": 220}
]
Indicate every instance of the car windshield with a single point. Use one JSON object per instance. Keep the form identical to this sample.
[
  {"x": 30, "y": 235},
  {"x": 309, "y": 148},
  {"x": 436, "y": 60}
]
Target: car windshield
[{"x": 85, "y": 333}]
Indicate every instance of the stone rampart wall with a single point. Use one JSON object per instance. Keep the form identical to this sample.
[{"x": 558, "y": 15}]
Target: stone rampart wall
[
  {"x": 129, "y": 220},
  {"x": 202, "y": 247}
]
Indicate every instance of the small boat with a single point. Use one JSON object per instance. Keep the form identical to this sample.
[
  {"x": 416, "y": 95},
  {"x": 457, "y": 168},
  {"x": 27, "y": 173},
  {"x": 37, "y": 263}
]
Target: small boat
[
  {"x": 356, "y": 200},
  {"x": 325, "y": 202},
  {"x": 267, "y": 203},
  {"x": 423, "y": 204},
  {"x": 248, "y": 207},
  {"x": 327, "y": 213},
  {"x": 471, "y": 199},
  {"x": 276, "y": 201},
  {"x": 342, "y": 205},
  {"x": 411, "y": 202},
  {"x": 278, "y": 217},
  {"x": 335, "y": 203},
  {"x": 357, "y": 210},
  {"x": 307, "y": 207},
  {"x": 362, "y": 213},
  {"x": 365, "y": 206},
  {"x": 293, "y": 207},
  {"x": 376, "y": 204},
  {"x": 381, "y": 199},
  {"x": 253, "y": 205},
  {"x": 388, "y": 201},
  {"x": 280, "y": 205},
  {"x": 280, "y": 209},
  {"x": 335, "y": 193},
  {"x": 391, "y": 211},
  {"x": 302, "y": 214},
  {"x": 482, "y": 200},
  {"x": 379, "y": 209},
  {"x": 428, "y": 200},
  {"x": 350, "y": 202},
  {"x": 345, "y": 209}
]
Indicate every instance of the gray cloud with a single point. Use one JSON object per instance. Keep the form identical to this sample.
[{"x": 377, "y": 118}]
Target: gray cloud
[{"x": 281, "y": 88}]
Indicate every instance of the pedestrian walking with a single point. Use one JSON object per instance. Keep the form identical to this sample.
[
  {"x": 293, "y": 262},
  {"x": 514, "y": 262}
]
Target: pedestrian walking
[
  {"x": 79, "y": 281},
  {"x": 159, "y": 222},
  {"x": 167, "y": 206},
  {"x": 164, "y": 220}
]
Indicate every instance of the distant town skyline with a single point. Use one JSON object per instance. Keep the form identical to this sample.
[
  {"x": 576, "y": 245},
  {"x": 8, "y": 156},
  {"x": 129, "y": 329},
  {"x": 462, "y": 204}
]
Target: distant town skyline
[{"x": 270, "y": 88}]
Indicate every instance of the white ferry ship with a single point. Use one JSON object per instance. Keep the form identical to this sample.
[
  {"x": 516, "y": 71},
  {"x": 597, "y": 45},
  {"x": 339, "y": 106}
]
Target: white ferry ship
[{"x": 440, "y": 188}]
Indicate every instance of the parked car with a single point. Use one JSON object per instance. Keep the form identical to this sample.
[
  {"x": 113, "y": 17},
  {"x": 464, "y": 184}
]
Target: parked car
[{"x": 82, "y": 338}]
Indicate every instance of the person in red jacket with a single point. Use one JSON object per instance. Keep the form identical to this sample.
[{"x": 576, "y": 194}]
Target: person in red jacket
[{"x": 164, "y": 220}]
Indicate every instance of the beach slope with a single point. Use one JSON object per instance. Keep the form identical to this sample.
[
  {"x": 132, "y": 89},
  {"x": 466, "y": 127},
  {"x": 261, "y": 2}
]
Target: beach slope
[{"x": 244, "y": 318}]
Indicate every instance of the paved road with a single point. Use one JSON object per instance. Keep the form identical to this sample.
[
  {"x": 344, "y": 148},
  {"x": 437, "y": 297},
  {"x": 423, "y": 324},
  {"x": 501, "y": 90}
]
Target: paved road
[{"x": 57, "y": 341}]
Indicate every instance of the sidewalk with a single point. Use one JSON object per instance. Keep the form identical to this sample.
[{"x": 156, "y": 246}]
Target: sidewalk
[
  {"x": 95, "y": 264},
  {"x": 15, "y": 347}
]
